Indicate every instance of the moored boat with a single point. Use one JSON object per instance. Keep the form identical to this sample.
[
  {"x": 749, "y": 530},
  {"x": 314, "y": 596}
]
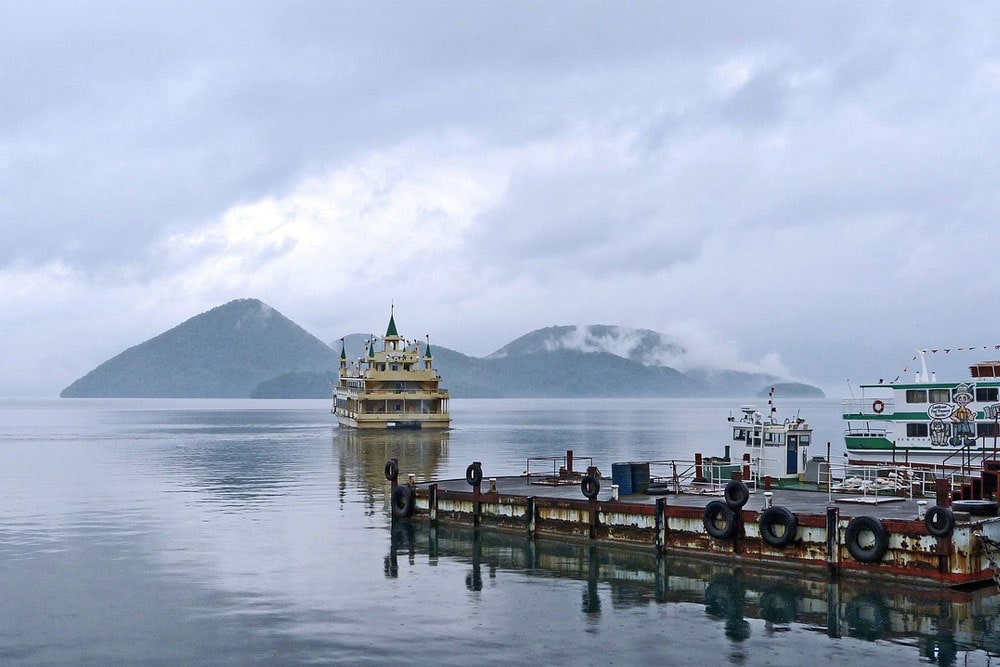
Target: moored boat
[
  {"x": 392, "y": 388},
  {"x": 926, "y": 421}
]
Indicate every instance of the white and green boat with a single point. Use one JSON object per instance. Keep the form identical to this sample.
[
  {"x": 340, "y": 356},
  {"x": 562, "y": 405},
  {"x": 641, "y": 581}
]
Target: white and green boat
[{"x": 926, "y": 421}]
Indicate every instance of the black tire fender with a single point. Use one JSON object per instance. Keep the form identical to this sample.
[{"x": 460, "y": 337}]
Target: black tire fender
[
  {"x": 940, "y": 521},
  {"x": 772, "y": 518},
  {"x": 402, "y": 501},
  {"x": 866, "y": 553},
  {"x": 391, "y": 471},
  {"x": 719, "y": 520},
  {"x": 474, "y": 474},
  {"x": 976, "y": 507},
  {"x": 590, "y": 486},
  {"x": 736, "y": 494}
]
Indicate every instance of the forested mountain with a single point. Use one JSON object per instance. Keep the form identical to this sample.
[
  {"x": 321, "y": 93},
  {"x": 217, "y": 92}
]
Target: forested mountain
[{"x": 225, "y": 352}]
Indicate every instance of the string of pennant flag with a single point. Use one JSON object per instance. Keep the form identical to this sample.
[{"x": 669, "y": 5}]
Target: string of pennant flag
[{"x": 948, "y": 350}]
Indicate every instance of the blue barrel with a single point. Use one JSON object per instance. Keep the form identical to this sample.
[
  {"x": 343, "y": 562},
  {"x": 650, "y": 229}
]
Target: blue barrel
[
  {"x": 640, "y": 477},
  {"x": 621, "y": 474}
]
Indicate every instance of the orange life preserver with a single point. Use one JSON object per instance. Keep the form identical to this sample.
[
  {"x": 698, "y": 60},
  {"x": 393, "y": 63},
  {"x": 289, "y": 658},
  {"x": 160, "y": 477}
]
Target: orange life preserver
[{"x": 878, "y": 406}]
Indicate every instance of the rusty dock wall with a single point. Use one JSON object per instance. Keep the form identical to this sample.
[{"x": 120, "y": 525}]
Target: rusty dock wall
[{"x": 820, "y": 539}]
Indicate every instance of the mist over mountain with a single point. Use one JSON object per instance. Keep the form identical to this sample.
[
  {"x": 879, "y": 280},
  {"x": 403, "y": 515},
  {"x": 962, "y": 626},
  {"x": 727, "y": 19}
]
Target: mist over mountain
[{"x": 245, "y": 348}]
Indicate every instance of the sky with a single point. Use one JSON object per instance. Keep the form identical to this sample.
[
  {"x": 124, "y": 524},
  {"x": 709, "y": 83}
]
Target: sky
[{"x": 802, "y": 188}]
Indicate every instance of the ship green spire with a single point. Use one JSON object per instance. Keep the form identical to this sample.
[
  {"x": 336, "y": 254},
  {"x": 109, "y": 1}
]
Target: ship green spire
[
  {"x": 371, "y": 349},
  {"x": 391, "y": 331},
  {"x": 343, "y": 351}
]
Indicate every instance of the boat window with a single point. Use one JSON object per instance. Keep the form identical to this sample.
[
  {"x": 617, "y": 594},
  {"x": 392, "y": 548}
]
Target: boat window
[
  {"x": 939, "y": 395},
  {"x": 804, "y": 440},
  {"x": 987, "y": 429},
  {"x": 739, "y": 434},
  {"x": 916, "y": 395},
  {"x": 984, "y": 394},
  {"x": 916, "y": 430}
]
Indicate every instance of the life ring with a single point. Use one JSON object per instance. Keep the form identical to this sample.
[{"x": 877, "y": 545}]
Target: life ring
[
  {"x": 719, "y": 520},
  {"x": 866, "y": 553},
  {"x": 940, "y": 521},
  {"x": 402, "y": 501},
  {"x": 878, "y": 406},
  {"x": 590, "y": 486},
  {"x": 776, "y": 516},
  {"x": 474, "y": 474},
  {"x": 391, "y": 471},
  {"x": 736, "y": 494}
]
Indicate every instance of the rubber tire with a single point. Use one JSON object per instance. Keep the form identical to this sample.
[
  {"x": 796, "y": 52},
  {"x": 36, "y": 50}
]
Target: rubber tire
[
  {"x": 391, "y": 471},
  {"x": 940, "y": 521},
  {"x": 876, "y": 551},
  {"x": 736, "y": 494},
  {"x": 402, "y": 501},
  {"x": 774, "y": 516},
  {"x": 976, "y": 507},
  {"x": 590, "y": 486},
  {"x": 714, "y": 511},
  {"x": 474, "y": 474}
]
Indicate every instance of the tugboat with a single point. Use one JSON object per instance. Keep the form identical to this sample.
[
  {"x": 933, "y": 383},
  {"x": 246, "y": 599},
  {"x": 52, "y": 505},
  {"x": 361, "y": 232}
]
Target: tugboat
[
  {"x": 392, "y": 388},
  {"x": 777, "y": 449}
]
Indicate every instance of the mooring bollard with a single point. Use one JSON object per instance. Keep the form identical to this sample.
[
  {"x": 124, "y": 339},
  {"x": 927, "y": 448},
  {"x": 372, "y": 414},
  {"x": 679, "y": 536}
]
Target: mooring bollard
[
  {"x": 493, "y": 484},
  {"x": 921, "y": 509},
  {"x": 614, "y": 492},
  {"x": 411, "y": 479},
  {"x": 768, "y": 499}
]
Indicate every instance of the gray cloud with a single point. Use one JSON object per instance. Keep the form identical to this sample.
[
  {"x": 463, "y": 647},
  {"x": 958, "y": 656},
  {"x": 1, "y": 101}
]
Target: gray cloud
[{"x": 566, "y": 163}]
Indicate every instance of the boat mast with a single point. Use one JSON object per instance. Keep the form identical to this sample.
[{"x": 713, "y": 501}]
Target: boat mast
[{"x": 922, "y": 376}]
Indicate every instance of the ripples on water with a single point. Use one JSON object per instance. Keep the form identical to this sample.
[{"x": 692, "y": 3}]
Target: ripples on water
[{"x": 256, "y": 532}]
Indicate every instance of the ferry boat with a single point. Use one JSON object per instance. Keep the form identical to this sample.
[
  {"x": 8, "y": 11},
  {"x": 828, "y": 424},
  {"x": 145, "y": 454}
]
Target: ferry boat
[
  {"x": 943, "y": 423},
  {"x": 392, "y": 388}
]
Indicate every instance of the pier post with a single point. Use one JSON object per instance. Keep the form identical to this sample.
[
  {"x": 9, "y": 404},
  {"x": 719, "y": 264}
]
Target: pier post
[
  {"x": 661, "y": 524},
  {"x": 530, "y": 514},
  {"x": 833, "y": 539},
  {"x": 942, "y": 491},
  {"x": 698, "y": 476},
  {"x": 432, "y": 502},
  {"x": 569, "y": 461}
]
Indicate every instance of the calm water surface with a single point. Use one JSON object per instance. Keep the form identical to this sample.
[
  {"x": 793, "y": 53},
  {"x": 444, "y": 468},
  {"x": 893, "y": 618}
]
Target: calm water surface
[{"x": 257, "y": 533}]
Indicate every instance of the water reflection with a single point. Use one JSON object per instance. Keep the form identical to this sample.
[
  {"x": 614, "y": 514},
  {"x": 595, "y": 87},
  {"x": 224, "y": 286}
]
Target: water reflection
[
  {"x": 939, "y": 624},
  {"x": 363, "y": 455}
]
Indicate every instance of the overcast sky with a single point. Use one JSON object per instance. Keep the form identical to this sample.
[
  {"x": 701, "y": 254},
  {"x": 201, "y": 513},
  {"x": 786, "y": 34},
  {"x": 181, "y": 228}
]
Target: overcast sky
[{"x": 810, "y": 187}]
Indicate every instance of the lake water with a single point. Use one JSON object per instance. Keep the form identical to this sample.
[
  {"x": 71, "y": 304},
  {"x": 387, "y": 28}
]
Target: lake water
[{"x": 165, "y": 532}]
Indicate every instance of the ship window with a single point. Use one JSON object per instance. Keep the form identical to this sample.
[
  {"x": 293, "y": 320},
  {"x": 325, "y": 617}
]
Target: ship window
[
  {"x": 939, "y": 395},
  {"x": 739, "y": 434},
  {"x": 395, "y": 367},
  {"x": 916, "y": 430},
  {"x": 987, "y": 394},
  {"x": 916, "y": 395},
  {"x": 987, "y": 429}
]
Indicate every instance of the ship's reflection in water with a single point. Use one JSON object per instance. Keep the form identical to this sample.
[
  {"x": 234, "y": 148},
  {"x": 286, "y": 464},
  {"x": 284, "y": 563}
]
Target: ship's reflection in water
[
  {"x": 941, "y": 624},
  {"x": 363, "y": 455}
]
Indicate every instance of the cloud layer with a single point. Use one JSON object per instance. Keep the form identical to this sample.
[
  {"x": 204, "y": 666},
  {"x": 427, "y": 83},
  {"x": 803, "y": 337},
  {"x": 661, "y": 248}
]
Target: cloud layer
[{"x": 783, "y": 186}]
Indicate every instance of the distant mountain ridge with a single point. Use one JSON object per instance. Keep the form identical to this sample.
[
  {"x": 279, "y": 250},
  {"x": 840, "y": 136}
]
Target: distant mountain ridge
[{"x": 245, "y": 348}]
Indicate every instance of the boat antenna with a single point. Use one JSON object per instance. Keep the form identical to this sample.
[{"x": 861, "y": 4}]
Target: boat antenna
[
  {"x": 849, "y": 388},
  {"x": 923, "y": 366}
]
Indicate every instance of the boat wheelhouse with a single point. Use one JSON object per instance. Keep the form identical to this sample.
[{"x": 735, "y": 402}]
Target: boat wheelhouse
[
  {"x": 395, "y": 387},
  {"x": 776, "y": 449},
  {"x": 953, "y": 423}
]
